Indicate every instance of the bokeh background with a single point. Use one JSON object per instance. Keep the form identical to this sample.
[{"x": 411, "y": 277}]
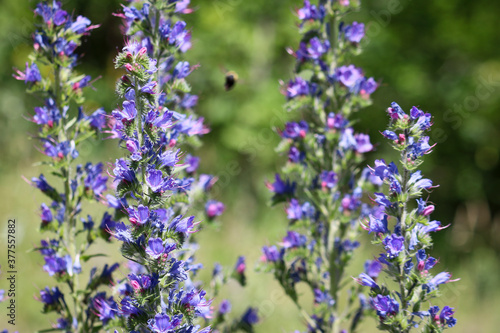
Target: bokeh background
[{"x": 443, "y": 56}]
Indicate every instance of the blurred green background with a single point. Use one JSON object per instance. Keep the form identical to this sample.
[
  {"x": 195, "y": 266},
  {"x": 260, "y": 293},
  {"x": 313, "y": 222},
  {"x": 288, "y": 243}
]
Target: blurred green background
[{"x": 443, "y": 56}]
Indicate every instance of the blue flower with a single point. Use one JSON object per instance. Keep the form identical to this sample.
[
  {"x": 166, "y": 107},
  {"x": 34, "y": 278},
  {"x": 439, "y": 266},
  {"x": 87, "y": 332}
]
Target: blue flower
[
  {"x": 32, "y": 74},
  {"x": 280, "y": 187},
  {"x": 446, "y": 316},
  {"x": 349, "y": 76},
  {"x": 80, "y": 25},
  {"x": 373, "y": 268},
  {"x": 311, "y": 12},
  {"x": 128, "y": 113},
  {"x": 378, "y": 225},
  {"x": 394, "y": 244},
  {"x": 46, "y": 215},
  {"x": 365, "y": 280},
  {"x": 354, "y": 32},
  {"x": 162, "y": 323},
  {"x": 384, "y": 305},
  {"x": 214, "y": 208},
  {"x": 272, "y": 254},
  {"x": 105, "y": 308},
  {"x": 224, "y": 307},
  {"x": 250, "y": 317}
]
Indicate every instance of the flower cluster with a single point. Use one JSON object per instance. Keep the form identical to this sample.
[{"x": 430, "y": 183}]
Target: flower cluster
[
  {"x": 405, "y": 258},
  {"x": 51, "y": 74},
  {"x": 322, "y": 183},
  {"x": 157, "y": 184}
]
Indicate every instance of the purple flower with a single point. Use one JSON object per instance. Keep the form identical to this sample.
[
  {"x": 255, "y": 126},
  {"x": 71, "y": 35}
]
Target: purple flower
[
  {"x": 311, "y": 12},
  {"x": 419, "y": 148},
  {"x": 295, "y": 155},
  {"x": 336, "y": 121},
  {"x": 378, "y": 225},
  {"x": 443, "y": 277},
  {"x": 155, "y": 248},
  {"x": 424, "y": 121},
  {"x": 417, "y": 181},
  {"x": 57, "y": 265},
  {"x": 155, "y": 181},
  {"x": 280, "y": 187},
  {"x": 183, "y": 225},
  {"x": 189, "y": 101},
  {"x": 123, "y": 172},
  {"x": 271, "y": 253},
  {"x": 348, "y": 75},
  {"x": 295, "y": 130},
  {"x": 354, "y": 32},
  {"x": 105, "y": 309},
  {"x": 294, "y": 210},
  {"x": 128, "y": 307},
  {"x": 214, "y": 208},
  {"x": 390, "y": 135},
  {"x": 323, "y": 297},
  {"x": 149, "y": 88},
  {"x": 373, "y": 268},
  {"x": 250, "y": 317},
  {"x": 395, "y": 111},
  {"x": 122, "y": 233},
  {"x": 240, "y": 265},
  {"x": 42, "y": 184},
  {"x": 317, "y": 48},
  {"x": 181, "y": 70},
  {"x": 196, "y": 300},
  {"x": 32, "y": 74},
  {"x": 143, "y": 282},
  {"x": 365, "y": 280},
  {"x": 423, "y": 209},
  {"x": 294, "y": 239},
  {"x": 169, "y": 158},
  {"x": 368, "y": 86},
  {"x": 46, "y": 214},
  {"x": 162, "y": 323},
  {"x": 328, "y": 179},
  {"x": 297, "y": 87},
  {"x": 80, "y": 25},
  {"x": 384, "y": 305},
  {"x": 394, "y": 244},
  {"x": 446, "y": 316},
  {"x": 138, "y": 216},
  {"x": 192, "y": 162},
  {"x": 363, "y": 144},
  {"x": 224, "y": 307},
  {"x": 128, "y": 113},
  {"x": 50, "y": 297},
  {"x": 177, "y": 270},
  {"x": 180, "y": 36},
  {"x": 98, "y": 119}
]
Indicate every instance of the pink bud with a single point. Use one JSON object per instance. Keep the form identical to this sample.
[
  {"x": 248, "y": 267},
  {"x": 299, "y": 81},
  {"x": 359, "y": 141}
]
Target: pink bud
[{"x": 428, "y": 210}]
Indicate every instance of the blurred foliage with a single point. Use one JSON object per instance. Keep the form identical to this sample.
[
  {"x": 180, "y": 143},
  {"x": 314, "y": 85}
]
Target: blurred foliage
[{"x": 443, "y": 56}]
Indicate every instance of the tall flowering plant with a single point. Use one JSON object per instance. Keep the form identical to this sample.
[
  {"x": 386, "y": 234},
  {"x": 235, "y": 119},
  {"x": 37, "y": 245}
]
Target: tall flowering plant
[
  {"x": 405, "y": 259},
  {"x": 322, "y": 183},
  {"x": 63, "y": 127},
  {"x": 157, "y": 188},
  {"x": 157, "y": 30}
]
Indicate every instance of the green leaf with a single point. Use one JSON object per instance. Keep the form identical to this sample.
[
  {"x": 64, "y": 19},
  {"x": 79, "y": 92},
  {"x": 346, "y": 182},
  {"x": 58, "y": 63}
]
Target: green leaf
[
  {"x": 181, "y": 85},
  {"x": 85, "y": 258}
]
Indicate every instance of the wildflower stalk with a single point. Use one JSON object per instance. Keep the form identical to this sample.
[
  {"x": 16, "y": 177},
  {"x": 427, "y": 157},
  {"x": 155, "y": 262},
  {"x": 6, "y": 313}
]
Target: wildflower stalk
[
  {"x": 156, "y": 184},
  {"x": 62, "y": 128},
  {"x": 405, "y": 259},
  {"x": 322, "y": 182}
]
